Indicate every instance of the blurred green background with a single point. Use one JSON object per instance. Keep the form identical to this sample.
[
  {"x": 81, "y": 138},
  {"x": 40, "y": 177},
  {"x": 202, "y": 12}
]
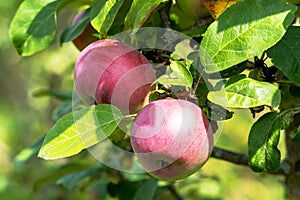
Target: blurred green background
[{"x": 24, "y": 119}]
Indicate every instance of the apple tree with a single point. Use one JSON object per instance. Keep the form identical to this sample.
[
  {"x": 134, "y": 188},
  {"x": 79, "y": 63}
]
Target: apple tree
[{"x": 155, "y": 80}]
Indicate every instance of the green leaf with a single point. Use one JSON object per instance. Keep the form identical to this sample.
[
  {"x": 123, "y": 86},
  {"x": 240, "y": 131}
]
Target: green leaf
[
  {"x": 180, "y": 75},
  {"x": 58, "y": 94},
  {"x": 28, "y": 152},
  {"x": 294, "y": 91},
  {"x": 216, "y": 112},
  {"x": 62, "y": 110},
  {"x": 104, "y": 13},
  {"x": 296, "y": 135},
  {"x": 286, "y": 54},
  {"x": 147, "y": 190},
  {"x": 72, "y": 179},
  {"x": 262, "y": 143},
  {"x": 79, "y": 130},
  {"x": 76, "y": 3},
  {"x": 246, "y": 93},
  {"x": 58, "y": 173},
  {"x": 227, "y": 73},
  {"x": 235, "y": 37},
  {"x": 34, "y": 25},
  {"x": 286, "y": 119},
  {"x": 139, "y": 12},
  {"x": 76, "y": 29},
  {"x": 124, "y": 190}
]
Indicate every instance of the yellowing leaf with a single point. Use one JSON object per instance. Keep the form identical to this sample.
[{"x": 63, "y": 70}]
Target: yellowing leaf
[{"x": 217, "y": 7}]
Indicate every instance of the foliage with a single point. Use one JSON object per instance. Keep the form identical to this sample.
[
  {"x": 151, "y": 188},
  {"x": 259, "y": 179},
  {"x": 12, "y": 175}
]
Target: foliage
[{"x": 249, "y": 61}]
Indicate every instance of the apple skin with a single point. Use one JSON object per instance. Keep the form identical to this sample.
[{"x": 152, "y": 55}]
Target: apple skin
[
  {"x": 87, "y": 35},
  {"x": 112, "y": 72},
  {"x": 193, "y": 8},
  {"x": 171, "y": 138}
]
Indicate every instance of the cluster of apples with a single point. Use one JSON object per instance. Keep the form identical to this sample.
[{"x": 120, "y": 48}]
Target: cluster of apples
[{"x": 171, "y": 137}]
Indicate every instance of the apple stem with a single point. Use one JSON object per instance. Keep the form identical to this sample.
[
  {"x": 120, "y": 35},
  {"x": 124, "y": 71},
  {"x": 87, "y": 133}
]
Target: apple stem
[{"x": 130, "y": 116}]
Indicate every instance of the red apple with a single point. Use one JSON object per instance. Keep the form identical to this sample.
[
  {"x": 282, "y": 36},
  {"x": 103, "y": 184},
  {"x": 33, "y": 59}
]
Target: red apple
[
  {"x": 193, "y": 8},
  {"x": 111, "y": 72},
  {"x": 87, "y": 36},
  {"x": 171, "y": 138}
]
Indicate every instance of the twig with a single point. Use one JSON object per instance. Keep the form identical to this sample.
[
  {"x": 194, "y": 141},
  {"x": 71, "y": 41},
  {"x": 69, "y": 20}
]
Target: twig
[
  {"x": 164, "y": 14},
  {"x": 242, "y": 159},
  {"x": 172, "y": 189},
  {"x": 233, "y": 157},
  {"x": 200, "y": 23},
  {"x": 197, "y": 84}
]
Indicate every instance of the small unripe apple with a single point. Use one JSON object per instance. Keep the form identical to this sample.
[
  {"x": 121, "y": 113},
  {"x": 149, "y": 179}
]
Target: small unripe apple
[
  {"x": 112, "y": 72},
  {"x": 171, "y": 138},
  {"x": 87, "y": 36},
  {"x": 193, "y": 8}
]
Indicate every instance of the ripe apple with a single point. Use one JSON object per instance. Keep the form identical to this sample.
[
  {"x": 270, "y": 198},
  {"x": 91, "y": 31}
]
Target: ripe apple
[
  {"x": 171, "y": 138},
  {"x": 112, "y": 72},
  {"x": 87, "y": 36},
  {"x": 193, "y": 8}
]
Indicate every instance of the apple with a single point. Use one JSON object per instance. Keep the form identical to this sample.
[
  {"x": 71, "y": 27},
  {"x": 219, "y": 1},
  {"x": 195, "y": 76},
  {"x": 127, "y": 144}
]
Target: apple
[
  {"x": 111, "y": 72},
  {"x": 87, "y": 36},
  {"x": 193, "y": 8},
  {"x": 171, "y": 138}
]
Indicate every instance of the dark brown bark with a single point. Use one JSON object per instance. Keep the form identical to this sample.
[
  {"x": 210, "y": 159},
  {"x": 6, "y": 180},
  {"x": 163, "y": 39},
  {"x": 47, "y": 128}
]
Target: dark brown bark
[{"x": 293, "y": 157}]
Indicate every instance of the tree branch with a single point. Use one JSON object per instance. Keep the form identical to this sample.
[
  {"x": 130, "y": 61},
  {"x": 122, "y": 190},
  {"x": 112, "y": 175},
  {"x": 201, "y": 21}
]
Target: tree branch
[
  {"x": 293, "y": 158},
  {"x": 172, "y": 189},
  {"x": 200, "y": 23},
  {"x": 233, "y": 157},
  {"x": 164, "y": 14},
  {"x": 242, "y": 159}
]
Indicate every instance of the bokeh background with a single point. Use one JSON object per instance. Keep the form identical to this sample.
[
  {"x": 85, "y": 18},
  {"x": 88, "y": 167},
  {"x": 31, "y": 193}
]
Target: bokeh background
[{"x": 25, "y": 118}]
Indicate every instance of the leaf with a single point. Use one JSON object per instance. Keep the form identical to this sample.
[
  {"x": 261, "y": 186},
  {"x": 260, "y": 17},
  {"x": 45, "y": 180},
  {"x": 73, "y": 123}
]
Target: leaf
[
  {"x": 139, "y": 12},
  {"x": 58, "y": 173},
  {"x": 262, "y": 143},
  {"x": 62, "y": 110},
  {"x": 76, "y": 29},
  {"x": 76, "y": 3},
  {"x": 217, "y": 7},
  {"x": 296, "y": 135},
  {"x": 72, "y": 179},
  {"x": 182, "y": 73},
  {"x": 246, "y": 93},
  {"x": 286, "y": 119},
  {"x": 79, "y": 130},
  {"x": 294, "y": 91},
  {"x": 33, "y": 26},
  {"x": 216, "y": 112},
  {"x": 58, "y": 94},
  {"x": 147, "y": 190},
  {"x": 227, "y": 73},
  {"x": 286, "y": 54},
  {"x": 28, "y": 152},
  {"x": 103, "y": 14},
  {"x": 235, "y": 37}
]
